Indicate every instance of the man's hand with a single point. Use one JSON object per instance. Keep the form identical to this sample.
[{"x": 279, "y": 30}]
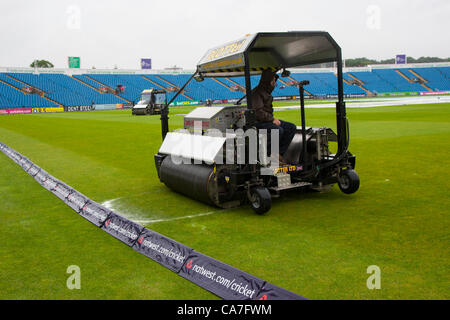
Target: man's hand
[{"x": 276, "y": 122}]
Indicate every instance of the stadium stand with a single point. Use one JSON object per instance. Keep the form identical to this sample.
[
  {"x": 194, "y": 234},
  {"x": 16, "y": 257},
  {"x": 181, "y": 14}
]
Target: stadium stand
[
  {"x": 58, "y": 89},
  {"x": 438, "y": 79},
  {"x": 62, "y": 89},
  {"x": 13, "y": 98},
  {"x": 373, "y": 82},
  {"x": 157, "y": 83},
  {"x": 208, "y": 89},
  {"x": 445, "y": 71},
  {"x": 399, "y": 83}
]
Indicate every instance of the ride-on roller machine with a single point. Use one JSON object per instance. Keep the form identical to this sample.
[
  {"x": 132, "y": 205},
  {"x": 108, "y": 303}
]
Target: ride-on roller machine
[
  {"x": 151, "y": 102},
  {"x": 211, "y": 158}
]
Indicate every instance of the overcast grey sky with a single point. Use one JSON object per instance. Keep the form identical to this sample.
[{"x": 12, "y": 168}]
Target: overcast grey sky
[{"x": 105, "y": 33}]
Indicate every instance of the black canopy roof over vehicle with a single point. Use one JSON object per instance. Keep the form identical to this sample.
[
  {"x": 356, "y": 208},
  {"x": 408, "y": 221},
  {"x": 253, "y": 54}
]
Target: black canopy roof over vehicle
[{"x": 269, "y": 50}]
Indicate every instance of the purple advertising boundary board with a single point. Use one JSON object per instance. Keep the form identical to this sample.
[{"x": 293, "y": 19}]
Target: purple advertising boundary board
[
  {"x": 122, "y": 229},
  {"x": 230, "y": 283},
  {"x": 167, "y": 252},
  {"x": 221, "y": 279},
  {"x": 217, "y": 277}
]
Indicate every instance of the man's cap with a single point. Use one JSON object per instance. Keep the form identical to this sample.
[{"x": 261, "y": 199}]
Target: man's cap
[{"x": 268, "y": 75}]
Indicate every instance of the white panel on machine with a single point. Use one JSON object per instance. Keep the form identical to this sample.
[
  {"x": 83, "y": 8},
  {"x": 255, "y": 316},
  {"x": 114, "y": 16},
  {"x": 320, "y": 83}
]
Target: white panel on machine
[
  {"x": 204, "y": 112},
  {"x": 192, "y": 146}
]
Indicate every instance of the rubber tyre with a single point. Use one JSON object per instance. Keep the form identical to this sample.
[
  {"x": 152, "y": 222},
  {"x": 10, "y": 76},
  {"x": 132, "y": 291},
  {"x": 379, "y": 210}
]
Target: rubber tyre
[
  {"x": 348, "y": 181},
  {"x": 261, "y": 200}
]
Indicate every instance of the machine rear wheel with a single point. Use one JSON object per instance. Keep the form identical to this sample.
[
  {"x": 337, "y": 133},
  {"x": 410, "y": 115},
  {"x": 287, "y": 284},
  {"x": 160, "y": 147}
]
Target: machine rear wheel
[
  {"x": 260, "y": 200},
  {"x": 349, "y": 181}
]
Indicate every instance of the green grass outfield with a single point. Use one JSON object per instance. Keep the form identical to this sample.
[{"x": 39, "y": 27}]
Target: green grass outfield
[{"x": 318, "y": 245}]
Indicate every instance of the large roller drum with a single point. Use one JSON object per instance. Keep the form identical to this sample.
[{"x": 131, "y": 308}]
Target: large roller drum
[
  {"x": 197, "y": 181},
  {"x": 294, "y": 151},
  {"x": 139, "y": 110}
]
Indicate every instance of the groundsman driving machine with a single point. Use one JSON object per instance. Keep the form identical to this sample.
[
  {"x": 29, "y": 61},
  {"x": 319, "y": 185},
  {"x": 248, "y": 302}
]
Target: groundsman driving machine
[
  {"x": 151, "y": 102},
  {"x": 220, "y": 158}
]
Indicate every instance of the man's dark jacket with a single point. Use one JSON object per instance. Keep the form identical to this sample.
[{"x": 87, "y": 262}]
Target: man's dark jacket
[{"x": 262, "y": 98}]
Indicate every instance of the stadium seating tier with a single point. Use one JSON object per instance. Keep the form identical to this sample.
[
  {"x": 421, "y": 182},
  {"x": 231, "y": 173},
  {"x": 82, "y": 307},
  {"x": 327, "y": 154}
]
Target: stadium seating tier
[{"x": 55, "y": 89}]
